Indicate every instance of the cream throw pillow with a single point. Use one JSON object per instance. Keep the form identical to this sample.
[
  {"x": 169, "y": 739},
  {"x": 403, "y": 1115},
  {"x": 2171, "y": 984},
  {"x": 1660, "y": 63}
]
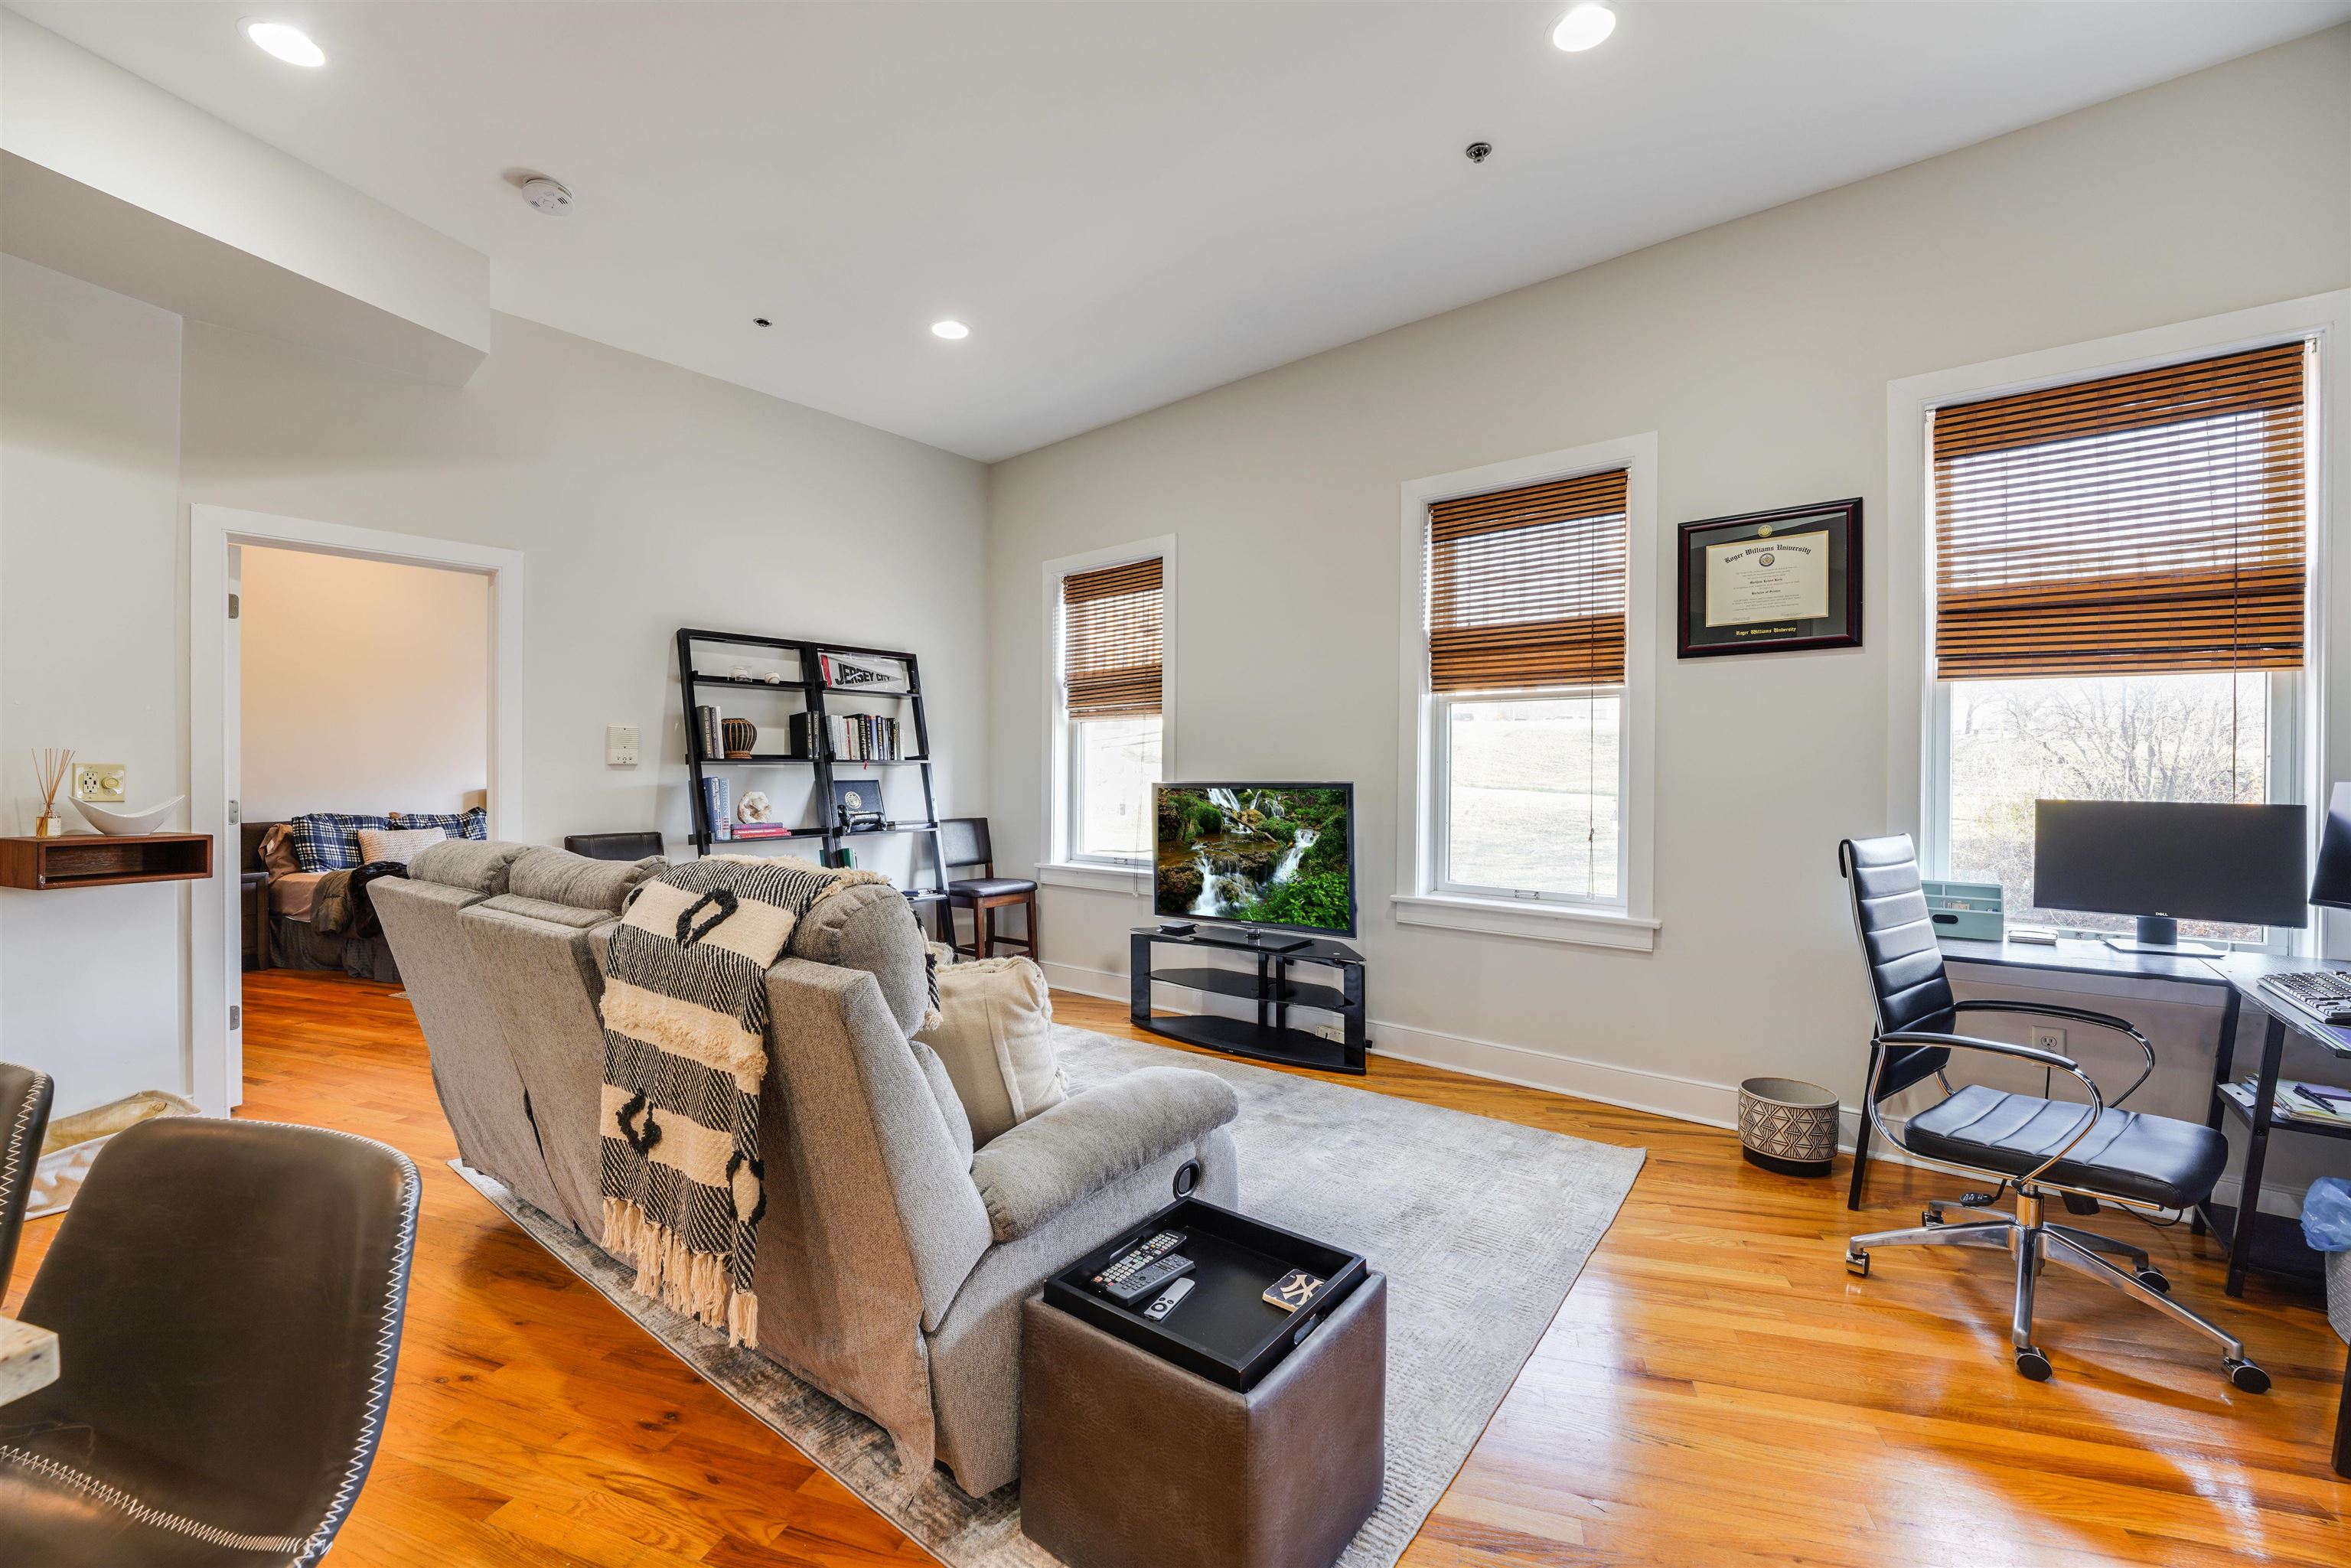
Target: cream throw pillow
[
  {"x": 396, "y": 843},
  {"x": 995, "y": 1035}
]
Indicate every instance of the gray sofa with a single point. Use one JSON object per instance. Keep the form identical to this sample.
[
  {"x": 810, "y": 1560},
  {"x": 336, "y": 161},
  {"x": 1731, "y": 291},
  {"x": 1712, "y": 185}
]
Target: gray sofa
[{"x": 893, "y": 1257}]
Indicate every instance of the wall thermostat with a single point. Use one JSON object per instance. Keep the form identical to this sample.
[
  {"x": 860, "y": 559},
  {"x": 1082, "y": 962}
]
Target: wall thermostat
[{"x": 621, "y": 745}]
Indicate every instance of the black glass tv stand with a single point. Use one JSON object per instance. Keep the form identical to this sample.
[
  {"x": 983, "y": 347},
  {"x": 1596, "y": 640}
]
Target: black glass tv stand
[{"x": 1269, "y": 1036}]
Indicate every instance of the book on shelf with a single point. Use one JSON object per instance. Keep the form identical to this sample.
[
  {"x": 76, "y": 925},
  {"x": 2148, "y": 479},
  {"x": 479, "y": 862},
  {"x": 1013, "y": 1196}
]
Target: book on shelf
[
  {"x": 707, "y": 738},
  {"x": 717, "y": 807},
  {"x": 762, "y": 831}
]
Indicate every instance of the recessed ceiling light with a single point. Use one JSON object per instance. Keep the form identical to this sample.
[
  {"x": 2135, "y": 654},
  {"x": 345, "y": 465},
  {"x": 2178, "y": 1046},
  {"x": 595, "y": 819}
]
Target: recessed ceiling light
[
  {"x": 1583, "y": 28},
  {"x": 949, "y": 330},
  {"x": 289, "y": 44}
]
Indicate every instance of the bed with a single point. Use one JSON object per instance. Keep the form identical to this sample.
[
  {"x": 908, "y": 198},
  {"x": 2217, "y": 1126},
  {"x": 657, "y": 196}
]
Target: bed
[{"x": 282, "y": 930}]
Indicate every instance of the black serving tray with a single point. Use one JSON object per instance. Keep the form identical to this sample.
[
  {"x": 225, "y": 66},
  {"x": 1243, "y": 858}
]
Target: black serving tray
[{"x": 1224, "y": 1330}]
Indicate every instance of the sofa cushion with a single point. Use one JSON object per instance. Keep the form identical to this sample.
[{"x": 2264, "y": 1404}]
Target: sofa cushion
[
  {"x": 995, "y": 1035},
  {"x": 1084, "y": 1144},
  {"x": 870, "y": 926},
  {"x": 558, "y": 876},
  {"x": 477, "y": 865},
  {"x": 570, "y": 916}
]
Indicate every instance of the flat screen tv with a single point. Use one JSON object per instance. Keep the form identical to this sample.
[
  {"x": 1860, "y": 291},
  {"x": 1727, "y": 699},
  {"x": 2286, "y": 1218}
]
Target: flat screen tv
[{"x": 1279, "y": 856}]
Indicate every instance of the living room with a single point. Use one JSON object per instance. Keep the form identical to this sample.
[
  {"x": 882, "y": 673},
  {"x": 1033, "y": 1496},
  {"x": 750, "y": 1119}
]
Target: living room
[{"x": 579, "y": 298}]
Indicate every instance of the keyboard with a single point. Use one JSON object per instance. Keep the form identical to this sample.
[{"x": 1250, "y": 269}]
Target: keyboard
[{"x": 2326, "y": 992}]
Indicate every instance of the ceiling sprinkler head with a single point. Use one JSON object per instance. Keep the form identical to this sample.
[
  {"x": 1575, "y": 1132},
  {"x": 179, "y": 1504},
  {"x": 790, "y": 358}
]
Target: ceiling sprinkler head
[
  {"x": 549, "y": 196},
  {"x": 1478, "y": 152}
]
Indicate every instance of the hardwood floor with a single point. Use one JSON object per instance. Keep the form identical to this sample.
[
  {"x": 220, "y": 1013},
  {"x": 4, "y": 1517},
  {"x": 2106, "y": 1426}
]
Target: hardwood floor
[{"x": 1716, "y": 1390}]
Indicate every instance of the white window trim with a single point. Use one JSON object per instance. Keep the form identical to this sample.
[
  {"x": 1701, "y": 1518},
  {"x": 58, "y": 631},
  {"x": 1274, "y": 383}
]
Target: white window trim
[
  {"x": 1915, "y": 702},
  {"x": 1061, "y": 866},
  {"x": 1419, "y": 899}
]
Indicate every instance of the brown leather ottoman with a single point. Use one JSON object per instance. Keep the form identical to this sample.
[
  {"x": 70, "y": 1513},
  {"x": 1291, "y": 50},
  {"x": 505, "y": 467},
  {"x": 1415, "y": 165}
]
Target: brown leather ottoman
[{"x": 1129, "y": 1461}]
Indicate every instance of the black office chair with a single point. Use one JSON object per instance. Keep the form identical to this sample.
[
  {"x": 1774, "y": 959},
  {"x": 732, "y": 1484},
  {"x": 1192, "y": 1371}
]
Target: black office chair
[
  {"x": 24, "y": 1118},
  {"x": 227, "y": 1300},
  {"x": 963, "y": 841},
  {"x": 2087, "y": 1155}
]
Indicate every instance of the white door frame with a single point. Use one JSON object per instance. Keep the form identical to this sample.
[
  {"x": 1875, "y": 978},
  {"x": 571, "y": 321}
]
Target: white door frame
[{"x": 215, "y": 966}]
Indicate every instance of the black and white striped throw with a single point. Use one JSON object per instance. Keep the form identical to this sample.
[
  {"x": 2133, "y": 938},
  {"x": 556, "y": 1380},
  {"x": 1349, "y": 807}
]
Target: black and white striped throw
[{"x": 685, "y": 1018}]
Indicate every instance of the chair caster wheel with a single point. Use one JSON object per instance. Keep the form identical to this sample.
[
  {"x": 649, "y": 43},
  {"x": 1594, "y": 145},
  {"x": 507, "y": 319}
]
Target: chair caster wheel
[
  {"x": 2033, "y": 1364},
  {"x": 1931, "y": 1215},
  {"x": 2249, "y": 1378},
  {"x": 1858, "y": 1264},
  {"x": 2153, "y": 1278}
]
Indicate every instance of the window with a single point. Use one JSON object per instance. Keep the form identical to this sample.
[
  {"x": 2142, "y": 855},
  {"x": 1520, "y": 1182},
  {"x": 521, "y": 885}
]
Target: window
[
  {"x": 1524, "y": 783},
  {"x": 1108, "y": 704},
  {"x": 2119, "y": 614}
]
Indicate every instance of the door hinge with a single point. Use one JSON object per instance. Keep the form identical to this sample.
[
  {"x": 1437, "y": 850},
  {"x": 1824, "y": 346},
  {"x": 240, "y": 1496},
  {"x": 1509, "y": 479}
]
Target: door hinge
[
  {"x": 232, "y": 606},
  {"x": 233, "y": 808},
  {"x": 236, "y": 1016}
]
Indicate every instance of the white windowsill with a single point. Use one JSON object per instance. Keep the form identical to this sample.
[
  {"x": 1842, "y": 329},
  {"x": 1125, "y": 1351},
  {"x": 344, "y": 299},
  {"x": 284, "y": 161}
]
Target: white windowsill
[
  {"x": 1128, "y": 880},
  {"x": 1538, "y": 922}
]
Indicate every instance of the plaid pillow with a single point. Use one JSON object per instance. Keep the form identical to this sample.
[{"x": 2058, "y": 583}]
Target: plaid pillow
[
  {"x": 329, "y": 841},
  {"x": 469, "y": 824}
]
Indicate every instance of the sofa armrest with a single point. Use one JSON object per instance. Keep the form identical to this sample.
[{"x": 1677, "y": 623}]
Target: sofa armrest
[{"x": 1054, "y": 1160}]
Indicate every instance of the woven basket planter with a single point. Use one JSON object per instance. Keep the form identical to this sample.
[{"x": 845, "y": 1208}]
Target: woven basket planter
[{"x": 1788, "y": 1125}]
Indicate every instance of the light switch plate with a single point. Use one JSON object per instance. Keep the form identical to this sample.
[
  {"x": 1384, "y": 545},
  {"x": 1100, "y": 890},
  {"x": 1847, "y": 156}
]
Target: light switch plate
[
  {"x": 97, "y": 782},
  {"x": 621, "y": 745}
]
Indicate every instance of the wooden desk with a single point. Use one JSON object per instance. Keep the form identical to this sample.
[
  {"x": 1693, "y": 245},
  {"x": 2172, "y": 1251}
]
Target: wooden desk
[
  {"x": 2271, "y": 1243},
  {"x": 28, "y": 1359}
]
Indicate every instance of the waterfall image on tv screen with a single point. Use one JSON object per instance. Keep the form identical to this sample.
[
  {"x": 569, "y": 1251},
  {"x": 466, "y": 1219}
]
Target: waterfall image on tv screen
[{"x": 1269, "y": 854}]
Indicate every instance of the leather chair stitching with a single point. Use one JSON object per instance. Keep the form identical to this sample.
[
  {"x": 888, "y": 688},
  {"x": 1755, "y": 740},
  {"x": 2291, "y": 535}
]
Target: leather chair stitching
[
  {"x": 14, "y": 1150},
  {"x": 114, "y": 1497}
]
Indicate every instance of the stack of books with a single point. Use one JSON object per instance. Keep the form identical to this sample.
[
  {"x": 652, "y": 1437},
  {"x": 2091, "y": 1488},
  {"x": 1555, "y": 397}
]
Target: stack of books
[
  {"x": 707, "y": 738},
  {"x": 764, "y": 830},
  {"x": 848, "y": 737},
  {"x": 2322, "y": 1104}
]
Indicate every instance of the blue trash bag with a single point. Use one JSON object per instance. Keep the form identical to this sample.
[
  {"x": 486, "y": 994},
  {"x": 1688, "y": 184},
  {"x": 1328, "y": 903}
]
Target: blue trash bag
[{"x": 2326, "y": 1214}]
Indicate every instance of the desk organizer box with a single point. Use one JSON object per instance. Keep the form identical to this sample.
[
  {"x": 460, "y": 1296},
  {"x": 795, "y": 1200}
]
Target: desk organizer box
[{"x": 1972, "y": 910}]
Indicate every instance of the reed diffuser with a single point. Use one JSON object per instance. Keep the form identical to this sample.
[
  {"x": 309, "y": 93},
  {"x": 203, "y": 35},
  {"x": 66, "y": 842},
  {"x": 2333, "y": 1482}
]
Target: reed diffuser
[{"x": 49, "y": 765}]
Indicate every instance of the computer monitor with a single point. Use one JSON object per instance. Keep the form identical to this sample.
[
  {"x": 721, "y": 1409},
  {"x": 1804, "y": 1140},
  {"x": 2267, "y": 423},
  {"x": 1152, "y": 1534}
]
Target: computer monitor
[
  {"x": 2165, "y": 861},
  {"x": 2331, "y": 883}
]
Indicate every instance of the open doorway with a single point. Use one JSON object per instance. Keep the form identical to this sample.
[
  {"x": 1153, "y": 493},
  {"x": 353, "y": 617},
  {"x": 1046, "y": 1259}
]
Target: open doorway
[
  {"x": 367, "y": 681},
  {"x": 363, "y": 706}
]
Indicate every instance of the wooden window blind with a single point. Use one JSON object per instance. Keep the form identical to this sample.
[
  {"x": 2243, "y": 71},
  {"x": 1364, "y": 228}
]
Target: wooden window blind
[
  {"x": 2144, "y": 523},
  {"x": 1527, "y": 587},
  {"x": 1111, "y": 639}
]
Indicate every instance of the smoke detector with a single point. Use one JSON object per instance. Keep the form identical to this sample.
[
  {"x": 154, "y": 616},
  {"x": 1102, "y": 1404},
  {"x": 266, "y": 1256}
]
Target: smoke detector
[{"x": 550, "y": 196}]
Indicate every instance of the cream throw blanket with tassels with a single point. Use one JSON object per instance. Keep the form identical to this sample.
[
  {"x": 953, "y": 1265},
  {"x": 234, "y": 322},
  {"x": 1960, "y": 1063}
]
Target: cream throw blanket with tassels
[{"x": 685, "y": 1047}]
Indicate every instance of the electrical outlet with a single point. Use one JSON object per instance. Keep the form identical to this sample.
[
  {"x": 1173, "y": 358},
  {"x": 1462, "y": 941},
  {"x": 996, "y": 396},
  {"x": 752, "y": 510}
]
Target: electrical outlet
[
  {"x": 621, "y": 745},
  {"x": 97, "y": 782},
  {"x": 1334, "y": 1031},
  {"x": 2047, "y": 1038}
]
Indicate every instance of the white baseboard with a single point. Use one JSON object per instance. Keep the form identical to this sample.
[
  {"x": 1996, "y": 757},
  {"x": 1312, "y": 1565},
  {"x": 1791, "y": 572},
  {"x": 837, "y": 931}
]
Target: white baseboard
[{"x": 1660, "y": 1094}]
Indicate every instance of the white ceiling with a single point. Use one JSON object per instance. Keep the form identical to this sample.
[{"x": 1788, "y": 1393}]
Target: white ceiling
[{"x": 1128, "y": 202}]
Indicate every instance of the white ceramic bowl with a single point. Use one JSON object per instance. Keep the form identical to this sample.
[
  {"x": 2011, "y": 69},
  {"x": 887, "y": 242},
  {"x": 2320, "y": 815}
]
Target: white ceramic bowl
[{"x": 126, "y": 824}]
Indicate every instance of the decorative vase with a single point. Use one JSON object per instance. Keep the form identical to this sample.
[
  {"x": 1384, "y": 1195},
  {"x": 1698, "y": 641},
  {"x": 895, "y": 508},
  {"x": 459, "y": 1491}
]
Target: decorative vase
[
  {"x": 740, "y": 734},
  {"x": 49, "y": 826},
  {"x": 1788, "y": 1126}
]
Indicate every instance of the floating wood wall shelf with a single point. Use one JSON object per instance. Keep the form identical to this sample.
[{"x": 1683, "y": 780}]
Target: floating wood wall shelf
[{"x": 97, "y": 860}]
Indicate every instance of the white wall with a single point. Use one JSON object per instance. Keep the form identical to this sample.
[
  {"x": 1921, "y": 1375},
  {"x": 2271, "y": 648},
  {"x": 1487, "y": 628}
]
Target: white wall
[
  {"x": 93, "y": 655},
  {"x": 1759, "y": 352},
  {"x": 366, "y": 685},
  {"x": 645, "y": 498}
]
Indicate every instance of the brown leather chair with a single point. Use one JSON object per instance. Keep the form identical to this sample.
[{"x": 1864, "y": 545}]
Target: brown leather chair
[
  {"x": 962, "y": 841},
  {"x": 227, "y": 1300},
  {"x": 24, "y": 1118}
]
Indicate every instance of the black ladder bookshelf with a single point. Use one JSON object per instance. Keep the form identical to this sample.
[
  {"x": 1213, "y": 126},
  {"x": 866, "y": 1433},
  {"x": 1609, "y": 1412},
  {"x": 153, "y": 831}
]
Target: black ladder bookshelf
[{"x": 827, "y": 835}]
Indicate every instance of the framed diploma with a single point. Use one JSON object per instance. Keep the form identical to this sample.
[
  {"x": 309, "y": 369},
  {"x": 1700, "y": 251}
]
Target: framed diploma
[{"x": 1771, "y": 582}]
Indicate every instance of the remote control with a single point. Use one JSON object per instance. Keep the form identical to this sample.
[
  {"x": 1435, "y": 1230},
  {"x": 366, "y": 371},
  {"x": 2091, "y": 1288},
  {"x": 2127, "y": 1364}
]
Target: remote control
[
  {"x": 1167, "y": 1300},
  {"x": 1133, "y": 1258},
  {"x": 1146, "y": 1281}
]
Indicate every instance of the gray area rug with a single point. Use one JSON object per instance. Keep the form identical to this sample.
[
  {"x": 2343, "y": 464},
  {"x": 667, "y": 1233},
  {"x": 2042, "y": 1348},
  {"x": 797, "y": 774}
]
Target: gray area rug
[{"x": 1480, "y": 1225}]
